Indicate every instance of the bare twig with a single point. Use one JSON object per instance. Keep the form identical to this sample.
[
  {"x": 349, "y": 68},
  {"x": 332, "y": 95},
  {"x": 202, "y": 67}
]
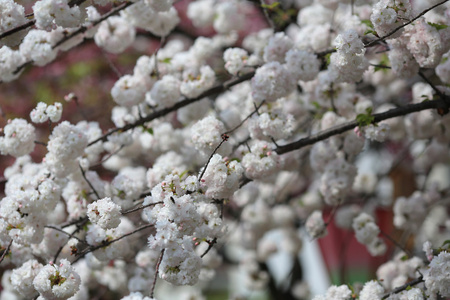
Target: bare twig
[
  {"x": 90, "y": 184},
  {"x": 6, "y": 251},
  {"x": 156, "y": 273},
  {"x": 141, "y": 207},
  {"x": 210, "y": 245},
  {"x": 404, "y": 25},
  {"x": 224, "y": 139},
  {"x": 107, "y": 243}
]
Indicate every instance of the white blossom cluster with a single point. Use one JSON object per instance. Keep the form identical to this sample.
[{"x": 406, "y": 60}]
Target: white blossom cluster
[
  {"x": 43, "y": 112},
  {"x": 240, "y": 127},
  {"x": 348, "y": 64},
  {"x": 366, "y": 232},
  {"x": 18, "y": 139}
]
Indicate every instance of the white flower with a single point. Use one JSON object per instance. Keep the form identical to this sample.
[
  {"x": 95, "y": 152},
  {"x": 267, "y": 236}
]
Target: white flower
[
  {"x": 115, "y": 34},
  {"x": 372, "y": 290},
  {"x": 105, "y": 213},
  {"x": 129, "y": 90},
  {"x": 437, "y": 279},
  {"x": 194, "y": 85},
  {"x": 18, "y": 139},
  {"x": 10, "y": 62},
  {"x": 37, "y": 46},
  {"x": 166, "y": 92},
  {"x": 57, "y": 282},
  {"x": 365, "y": 228},
  {"x": 201, "y": 12},
  {"x": 235, "y": 59},
  {"x": 22, "y": 278},
  {"x": 271, "y": 82},
  {"x": 315, "y": 226}
]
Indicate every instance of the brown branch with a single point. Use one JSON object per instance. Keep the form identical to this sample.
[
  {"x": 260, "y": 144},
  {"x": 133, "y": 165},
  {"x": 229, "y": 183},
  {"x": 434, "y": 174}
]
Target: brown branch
[
  {"x": 392, "y": 113},
  {"x": 404, "y": 25},
  {"x": 6, "y": 251},
  {"x": 404, "y": 287},
  {"x": 224, "y": 139},
  {"x": 32, "y": 22},
  {"x": 210, "y": 245},
  {"x": 107, "y": 243},
  {"x": 84, "y": 28},
  {"x": 141, "y": 207},
  {"x": 88, "y": 182},
  {"x": 156, "y": 273},
  {"x": 17, "y": 29},
  {"x": 212, "y": 91}
]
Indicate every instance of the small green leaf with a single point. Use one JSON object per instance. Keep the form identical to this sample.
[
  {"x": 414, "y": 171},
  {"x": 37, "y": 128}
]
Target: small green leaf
[
  {"x": 149, "y": 130},
  {"x": 447, "y": 242},
  {"x": 404, "y": 257},
  {"x": 270, "y": 6},
  {"x": 365, "y": 119},
  {"x": 166, "y": 60},
  {"x": 438, "y": 26},
  {"x": 370, "y": 31},
  {"x": 316, "y": 104},
  {"x": 368, "y": 23}
]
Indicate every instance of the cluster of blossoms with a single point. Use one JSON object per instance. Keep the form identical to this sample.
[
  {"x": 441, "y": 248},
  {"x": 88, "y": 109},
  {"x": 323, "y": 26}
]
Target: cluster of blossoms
[
  {"x": 195, "y": 179},
  {"x": 43, "y": 112}
]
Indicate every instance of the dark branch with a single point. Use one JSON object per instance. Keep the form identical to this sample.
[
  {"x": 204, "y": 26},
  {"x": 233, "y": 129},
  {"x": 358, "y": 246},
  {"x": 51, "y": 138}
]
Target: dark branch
[
  {"x": 404, "y": 25},
  {"x": 404, "y": 287},
  {"x": 213, "y": 91},
  {"x": 395, "y": 112}
]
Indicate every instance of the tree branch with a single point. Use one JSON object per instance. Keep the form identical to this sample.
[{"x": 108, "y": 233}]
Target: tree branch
[
  {"x": 213, "y": 91},
  {"x": 392, "y": 113},
  {"x": 404, "y": 25},
  {"x": 403, "y": 287}
]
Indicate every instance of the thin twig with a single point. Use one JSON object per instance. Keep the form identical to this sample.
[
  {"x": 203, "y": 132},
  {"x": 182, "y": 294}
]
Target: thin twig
[
  {"x": 107, "y": 157},
  {"x": 101, "y": 19},
  {"x": 66, "y": 233},
  {"x": 396, "y": 243},
  {"x": 266, "y": 14},
  {"x": 6, "y": 251},
  {"x": 111, "y": 64},
  {"x": 248, "y": 117},
  {"x": 156, "y": 273},
  {"x": 210, "y": 245},
  {"x": 432, "y": 85},
  {"x": 224, "y": 139},
  {"x": 404, "y": 25},
  {"x": 107, "y": 243},
  {"x": 90, "y": 184},
  {"x": 141, "y": 207}
]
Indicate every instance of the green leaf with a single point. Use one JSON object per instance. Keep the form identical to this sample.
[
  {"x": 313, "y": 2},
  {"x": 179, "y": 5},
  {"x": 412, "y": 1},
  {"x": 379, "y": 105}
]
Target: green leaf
[
  {"x": 447, "y": 242},
  {"x": 438, "y": 26},
  {"x": 365, "y": 119},
  {"x": 149, "y": 130},
  {"x": 368, "y": 23},
  {"x": 166, "y": 60},
  {"x": 404, "y": 257},
  {"x": 370, "y": 31},
  {"x": 270, "y": 6},
  {"x": 316, "y": 104}
]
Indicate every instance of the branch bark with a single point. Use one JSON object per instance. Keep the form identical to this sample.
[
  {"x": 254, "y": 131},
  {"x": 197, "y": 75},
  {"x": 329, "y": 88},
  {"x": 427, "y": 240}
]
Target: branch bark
[
  {"x": 157, "y": 114},
  {"x": 395, "y": 112}
]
